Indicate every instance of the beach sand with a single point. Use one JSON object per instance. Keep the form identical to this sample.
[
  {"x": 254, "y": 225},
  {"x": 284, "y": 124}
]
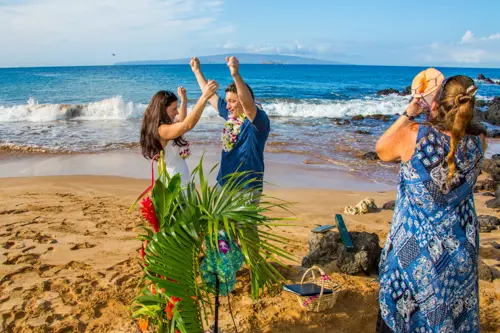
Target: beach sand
[{"x": 70, "y": 260}]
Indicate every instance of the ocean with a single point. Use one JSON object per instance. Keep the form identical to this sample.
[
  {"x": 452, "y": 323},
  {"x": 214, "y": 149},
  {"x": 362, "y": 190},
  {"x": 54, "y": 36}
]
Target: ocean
[{"x": 97, "y": 109}]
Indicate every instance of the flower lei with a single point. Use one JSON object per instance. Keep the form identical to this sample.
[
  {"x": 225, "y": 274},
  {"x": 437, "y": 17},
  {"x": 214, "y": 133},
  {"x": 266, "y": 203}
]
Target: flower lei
[
  {"x": 185, "y": 151},
  {"x": 230, "y": 132}
]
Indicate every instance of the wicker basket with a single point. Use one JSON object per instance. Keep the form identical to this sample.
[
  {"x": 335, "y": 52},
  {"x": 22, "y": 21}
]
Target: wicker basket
[{"x": 322, "y": 301}]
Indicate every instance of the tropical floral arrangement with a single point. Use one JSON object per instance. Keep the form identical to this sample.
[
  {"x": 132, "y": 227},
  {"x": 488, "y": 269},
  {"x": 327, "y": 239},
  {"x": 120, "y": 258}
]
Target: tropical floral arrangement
[
  {"x": 231, "y": 130},
  {"x": 197, "y": 235},
  {"x": 185, "y": 151}
]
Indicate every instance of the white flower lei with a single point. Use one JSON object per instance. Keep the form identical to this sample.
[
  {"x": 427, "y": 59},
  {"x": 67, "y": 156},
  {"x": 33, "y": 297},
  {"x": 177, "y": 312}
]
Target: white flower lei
[{"x": 230, "y": 132}]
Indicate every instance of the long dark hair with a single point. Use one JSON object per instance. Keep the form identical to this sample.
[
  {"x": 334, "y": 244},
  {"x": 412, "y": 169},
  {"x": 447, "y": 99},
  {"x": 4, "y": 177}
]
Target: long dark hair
[
  {"x": 455, "y": 113},
  {"x": 155, "y": 116}
]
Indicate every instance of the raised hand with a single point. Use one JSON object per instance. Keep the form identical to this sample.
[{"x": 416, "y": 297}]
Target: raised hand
[
  {"x": 195, "y": 64},
  {"x": 233, "y": 64},
  {"x": 182, "y": 93},
  {"x": 210, "y": 89}
]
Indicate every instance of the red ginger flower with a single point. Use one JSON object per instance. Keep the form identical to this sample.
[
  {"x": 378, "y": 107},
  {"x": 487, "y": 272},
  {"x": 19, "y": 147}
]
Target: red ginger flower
[
  {"x": 169, "y": 310},
  {"x": 148, "y": 211},
  {"x": 143, "y": 249}
]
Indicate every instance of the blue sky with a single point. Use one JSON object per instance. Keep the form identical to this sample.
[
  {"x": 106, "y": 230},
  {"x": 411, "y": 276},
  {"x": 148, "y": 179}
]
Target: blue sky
[{"x": 86, "y": 32}]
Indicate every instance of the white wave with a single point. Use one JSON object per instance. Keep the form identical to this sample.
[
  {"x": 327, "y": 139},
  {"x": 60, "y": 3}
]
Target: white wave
[
  {"x": 117, "y": 108},
  {"x": 32, "y": 111},
  {"x": 112, "y": 108},
  {"x": 337, "y": 109}
]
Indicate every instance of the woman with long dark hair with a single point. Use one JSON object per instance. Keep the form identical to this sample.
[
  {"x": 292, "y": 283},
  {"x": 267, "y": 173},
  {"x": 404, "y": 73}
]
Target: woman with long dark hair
[
  {"x": 164, "y": 124},
  {"x": 429, "y": 264}
]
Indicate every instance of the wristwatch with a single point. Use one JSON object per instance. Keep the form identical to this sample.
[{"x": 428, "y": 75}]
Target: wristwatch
[{"x": 407, "y": 115}]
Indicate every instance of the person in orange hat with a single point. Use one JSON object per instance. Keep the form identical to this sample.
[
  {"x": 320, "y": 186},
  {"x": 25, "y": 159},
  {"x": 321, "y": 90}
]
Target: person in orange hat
[{"x": 429, "y": 265}]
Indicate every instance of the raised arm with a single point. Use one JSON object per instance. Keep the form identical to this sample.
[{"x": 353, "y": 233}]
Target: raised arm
[
  {"x": 183, "y": 109},
  {"x": 175, "y": 130},
  {"x": 244, "y": 94},
  {"x": 202, "y": 82},
  {"x": 396, "y": 142}
]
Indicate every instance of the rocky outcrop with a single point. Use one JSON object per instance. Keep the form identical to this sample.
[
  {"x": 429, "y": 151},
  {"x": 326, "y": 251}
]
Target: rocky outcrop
[
  {"x": 494, "y": 203},
  {"x": 371, "y": 156},
  {"x": 492, "y": 168},
  {"x": 485, "y": 185},
  {"x": 389, "y": 205},
  {"x": 327, "y": 247},
  {"x": 389, "y": 91},
  {"x": 484, "y": 272},
  {"x": 492, "y": 114},
  {"x": 382, "y": 117},
  {"x": 488, "y": 223},
  {"x": 362, "y": 132},
  {"x": 484, "y": 79}
]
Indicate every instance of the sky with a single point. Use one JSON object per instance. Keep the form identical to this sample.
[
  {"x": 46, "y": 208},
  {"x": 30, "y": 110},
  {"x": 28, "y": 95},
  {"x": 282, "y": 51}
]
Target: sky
[{"x": 386, "y": 32}]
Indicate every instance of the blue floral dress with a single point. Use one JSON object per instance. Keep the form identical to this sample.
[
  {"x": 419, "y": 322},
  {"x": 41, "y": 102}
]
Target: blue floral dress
[{"x": 428, "y": 267}]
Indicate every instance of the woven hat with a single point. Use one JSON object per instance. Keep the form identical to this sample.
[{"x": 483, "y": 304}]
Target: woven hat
[{"x": 426, "y": 83}]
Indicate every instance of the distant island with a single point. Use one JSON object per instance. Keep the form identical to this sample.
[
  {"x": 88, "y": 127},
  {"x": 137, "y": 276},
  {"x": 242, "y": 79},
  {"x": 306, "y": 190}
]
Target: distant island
[{"x": 244, "y": 58}]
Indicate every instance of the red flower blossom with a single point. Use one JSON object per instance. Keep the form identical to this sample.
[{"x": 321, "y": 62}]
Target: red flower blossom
[
  {"x": 143, "y": 249},
  {"x": 148, "y": 211},
  {"x": 169, "y": 310}
]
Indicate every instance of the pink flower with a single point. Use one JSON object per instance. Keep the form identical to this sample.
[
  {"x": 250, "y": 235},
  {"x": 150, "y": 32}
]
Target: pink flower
[{"x": 223, "y": 246}]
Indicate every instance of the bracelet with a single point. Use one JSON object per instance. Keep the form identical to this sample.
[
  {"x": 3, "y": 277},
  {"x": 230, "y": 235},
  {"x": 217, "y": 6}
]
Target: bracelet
[{"x": 407, "y": 115}]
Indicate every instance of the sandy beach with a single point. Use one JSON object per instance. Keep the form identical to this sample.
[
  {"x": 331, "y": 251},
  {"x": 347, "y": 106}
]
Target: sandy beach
[{"x": 70, "y": 255}]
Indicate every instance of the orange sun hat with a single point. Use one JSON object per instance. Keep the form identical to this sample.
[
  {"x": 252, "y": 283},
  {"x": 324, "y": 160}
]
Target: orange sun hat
[{"x": 426, "y": 83}]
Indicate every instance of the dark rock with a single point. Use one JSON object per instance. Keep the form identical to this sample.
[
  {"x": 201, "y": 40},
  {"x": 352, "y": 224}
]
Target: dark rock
[
  {"x": 375, "y": 116},
  {"x": 389, "y": 205},
  {"x": 342, "y": 122},
  {"x": 357, "y": 118},
  {"x": 386, "y": 118},
  {"x": 323, "y": 249},
  {"x": 492, "y": 114},
  {"x": 488, "y": 194},
  {"x": 362, "y": 132},
  {"x": 385, "y": 92},
  {"x": 483, "y": 78},
  {"x": 365, "y": 256},
  {"x": 492, "y": 168},
  {"x": 406, "y": 91},
  {"x": 480, "y": 103},
  {"x": 487, "y": 223},
  {"x": 485, "y": 185},
  {"x": 484, "y": 272},
  {"x": 493, "y": 134},
  {"x": 371, "y": 156},
  {"x": 493, "y": 203},
  {"x": 327, "y": 247},
  {"x": 495, "y": 157},
  {"x": 495, "y": 245}
]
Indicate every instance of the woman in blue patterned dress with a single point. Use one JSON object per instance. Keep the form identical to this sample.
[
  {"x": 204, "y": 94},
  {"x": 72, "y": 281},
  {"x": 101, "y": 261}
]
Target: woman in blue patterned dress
[{"x": 428, "y": 267}]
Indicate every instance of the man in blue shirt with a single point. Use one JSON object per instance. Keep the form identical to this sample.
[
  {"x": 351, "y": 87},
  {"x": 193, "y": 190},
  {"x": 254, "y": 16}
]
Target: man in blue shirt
[{"x": 246, "y": 129}]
